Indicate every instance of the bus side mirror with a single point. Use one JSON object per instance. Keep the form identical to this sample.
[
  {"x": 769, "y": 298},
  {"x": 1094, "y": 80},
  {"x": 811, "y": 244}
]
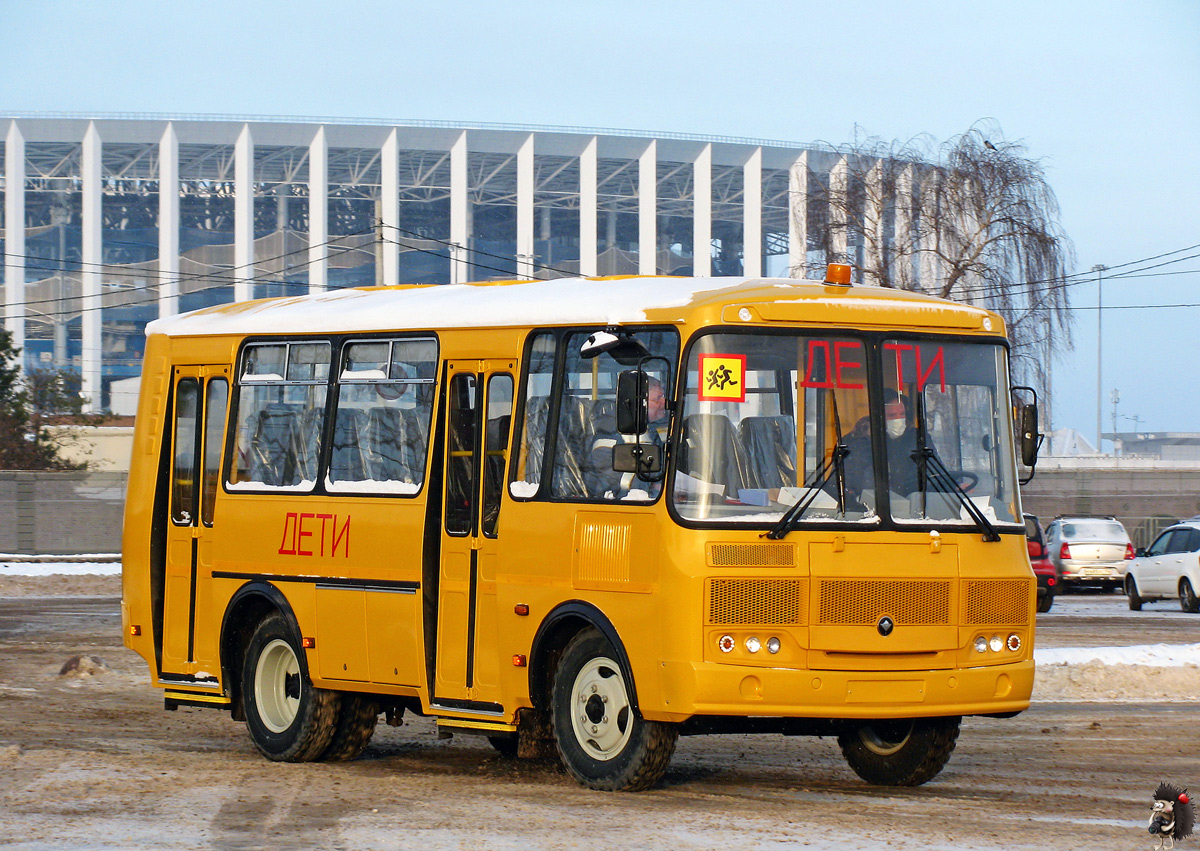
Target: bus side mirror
[
  {"x": 640, "y": 458},
  {"x": 1027, "y": 425},
  {"x": 633, "y": 392}
]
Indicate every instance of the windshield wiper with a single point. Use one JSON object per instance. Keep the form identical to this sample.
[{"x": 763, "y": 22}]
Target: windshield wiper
[
  {"x": 836, "y": 463},
  {"x": 931, "y": 469}
]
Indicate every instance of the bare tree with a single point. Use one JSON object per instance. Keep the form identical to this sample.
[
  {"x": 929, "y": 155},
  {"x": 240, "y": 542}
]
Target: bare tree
[{"x": 973, "y": 219}]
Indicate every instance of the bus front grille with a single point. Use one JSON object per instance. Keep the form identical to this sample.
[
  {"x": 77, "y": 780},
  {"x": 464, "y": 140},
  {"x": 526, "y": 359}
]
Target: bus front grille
[
  {"x": 862, "y": 602},
  {"x": 752, "y": 555},
  {"x": 757, "y": 602},
  {"x": 996, "y": 601}
]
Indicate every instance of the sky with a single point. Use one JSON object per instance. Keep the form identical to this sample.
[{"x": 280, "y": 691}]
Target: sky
[{"x": 1104, "y": 93}]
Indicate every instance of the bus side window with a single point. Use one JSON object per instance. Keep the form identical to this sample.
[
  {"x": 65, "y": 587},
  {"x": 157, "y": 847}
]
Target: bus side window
[
  {"x": 183, "y": 470},
  {"x": 215, "y": 403},
  {"x": 527, "y": 471},
  {"x": 495, "y": 450}
]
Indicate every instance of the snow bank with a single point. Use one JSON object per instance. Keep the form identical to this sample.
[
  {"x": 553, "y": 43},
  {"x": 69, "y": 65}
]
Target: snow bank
[
  {"x": 1153, "y": 655},
  {"x": 59, "y": 568}
]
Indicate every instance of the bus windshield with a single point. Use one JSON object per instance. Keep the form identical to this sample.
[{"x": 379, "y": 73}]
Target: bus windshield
[{"x": 786, "y": 425}]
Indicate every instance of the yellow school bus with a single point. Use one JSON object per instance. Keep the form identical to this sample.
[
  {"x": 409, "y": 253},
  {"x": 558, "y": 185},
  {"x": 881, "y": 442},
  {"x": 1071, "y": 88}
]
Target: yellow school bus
[{"x": 585, "y": 516}]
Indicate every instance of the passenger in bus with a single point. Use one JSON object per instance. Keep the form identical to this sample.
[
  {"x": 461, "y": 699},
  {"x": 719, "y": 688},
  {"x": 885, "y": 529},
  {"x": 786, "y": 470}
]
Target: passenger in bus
[{"x": 603, "y": 481}]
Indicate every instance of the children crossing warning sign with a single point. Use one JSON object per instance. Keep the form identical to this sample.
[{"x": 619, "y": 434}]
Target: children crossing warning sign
[{"x": 722, "y": 378}]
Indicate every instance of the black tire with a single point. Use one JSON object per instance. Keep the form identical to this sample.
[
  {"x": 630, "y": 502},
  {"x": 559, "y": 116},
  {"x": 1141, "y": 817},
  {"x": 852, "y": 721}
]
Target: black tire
[
  {"x": 288, "y": 719},
  {"x": 506, "y": 746},
  {"x": 1131, "y": 591},
  {"x": 1187, "y": 597},
  {"x": 355, "y": 725},
  {"x": 900, "y": 753},
  {"x": 605, "y": 744},
  {"x": 1045, "y": 603}
]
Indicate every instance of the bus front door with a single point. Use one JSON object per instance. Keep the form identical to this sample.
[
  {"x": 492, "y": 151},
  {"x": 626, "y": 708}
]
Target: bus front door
[
  {"x": 201, "y": 398},
  {"x": 478, "y": 414}
]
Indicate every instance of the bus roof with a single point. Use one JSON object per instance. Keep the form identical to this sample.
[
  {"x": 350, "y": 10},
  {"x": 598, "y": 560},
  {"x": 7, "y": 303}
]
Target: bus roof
[{"x": 572, "y": 301}]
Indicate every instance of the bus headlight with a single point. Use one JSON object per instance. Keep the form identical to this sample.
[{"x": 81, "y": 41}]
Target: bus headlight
[
  {"x": 773, "y": 645},
  {"x": 997, "y": 644},
  {"x": 753, "y": 644},
  {"x": 980, "y": 644}
]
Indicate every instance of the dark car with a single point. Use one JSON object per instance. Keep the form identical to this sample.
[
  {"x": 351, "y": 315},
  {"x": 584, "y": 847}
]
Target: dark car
[{"x": 1039, "y": 560}]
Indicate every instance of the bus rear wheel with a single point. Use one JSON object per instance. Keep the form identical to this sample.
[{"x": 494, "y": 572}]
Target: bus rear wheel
[
  {"x": 354, "y": 727},
  {"x": 603, "y": 742},
  {"x": 905, "y": 752},
  {"x": 289, "y": 720}
]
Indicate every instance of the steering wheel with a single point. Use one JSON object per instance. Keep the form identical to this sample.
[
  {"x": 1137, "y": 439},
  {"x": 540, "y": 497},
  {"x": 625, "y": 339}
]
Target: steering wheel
[{"x": 965, "y": 479}]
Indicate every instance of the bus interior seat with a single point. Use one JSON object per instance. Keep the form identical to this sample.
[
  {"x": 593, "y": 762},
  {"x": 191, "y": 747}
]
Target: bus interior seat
[
  {"x": 385, "y": 443},
  {"x": 770, "y": 446},
  {"x": 573, "y": 448},
  {"x": 347, "y": 462},
  {"x": 710, "y": 451},
  {"x": 537, "y": 409},
  {"x": 275, "y": 447}
]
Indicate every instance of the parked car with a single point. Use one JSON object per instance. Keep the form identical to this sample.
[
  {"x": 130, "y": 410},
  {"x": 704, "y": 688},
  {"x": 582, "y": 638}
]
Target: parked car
[
  {"x": 1043, "y": 568},
  {"x": 1088, "y": 551},
  {"x": 1168, "y": 568}
]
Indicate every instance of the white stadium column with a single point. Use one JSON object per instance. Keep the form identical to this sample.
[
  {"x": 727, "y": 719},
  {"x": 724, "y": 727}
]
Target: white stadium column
[
  {"x": 588, "y": 208},
  {"x": 91, "y": 260},
  {"x": 903, "y": 238},
  {"x": 702, "y": 214},
  {"x": 460, "y": 226},
  {"x": 243, "y": 216},
  {"x": 873, "y": 251},
  {"x": 798, "y": 217},
  {"x": 168, "y": 222},
  {"x": 14, "y": 237},
  {"x": 839, "y": 200},
  {"x": 648, "y": 210},
  {"x": 525, "y": 243},
  {"x": 389, "y": 234},
  {"x": 752, "y": 238},
  {"x": 318, "y": 213}
]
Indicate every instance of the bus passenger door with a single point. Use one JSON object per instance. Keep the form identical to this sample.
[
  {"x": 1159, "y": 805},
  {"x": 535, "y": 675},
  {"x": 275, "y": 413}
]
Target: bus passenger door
[
  {"x": 201, "y": 399},
  {"x": 478, "y": 415}
]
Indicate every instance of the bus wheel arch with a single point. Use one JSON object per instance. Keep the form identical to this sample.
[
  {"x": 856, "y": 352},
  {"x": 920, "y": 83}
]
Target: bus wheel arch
[
  {"x": 556, "y": 631},
  {"x": 249, "y": 606}
]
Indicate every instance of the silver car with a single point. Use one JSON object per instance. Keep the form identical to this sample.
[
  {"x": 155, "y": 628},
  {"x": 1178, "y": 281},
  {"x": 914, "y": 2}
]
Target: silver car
[{"x": 1089, "y": 551}]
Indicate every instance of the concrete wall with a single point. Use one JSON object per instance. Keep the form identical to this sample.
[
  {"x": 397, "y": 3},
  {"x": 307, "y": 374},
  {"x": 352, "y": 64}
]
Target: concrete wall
[{"x": 61, "y": 513}]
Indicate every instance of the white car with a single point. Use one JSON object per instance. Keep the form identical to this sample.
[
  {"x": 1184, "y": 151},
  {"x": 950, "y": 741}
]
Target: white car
[{"x": 1167, "y": 569}]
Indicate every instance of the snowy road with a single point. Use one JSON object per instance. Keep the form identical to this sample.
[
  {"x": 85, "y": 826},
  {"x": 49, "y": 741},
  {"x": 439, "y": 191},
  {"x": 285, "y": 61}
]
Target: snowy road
[{"x": 94, "y": 763}]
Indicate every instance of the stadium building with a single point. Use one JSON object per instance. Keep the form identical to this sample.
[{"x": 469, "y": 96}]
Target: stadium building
[{"x": 110, "y": 221}]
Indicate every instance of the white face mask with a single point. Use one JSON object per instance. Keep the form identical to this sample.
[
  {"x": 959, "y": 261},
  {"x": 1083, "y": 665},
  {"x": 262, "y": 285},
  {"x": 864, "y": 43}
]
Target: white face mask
[{"x": 895, "y": 427}]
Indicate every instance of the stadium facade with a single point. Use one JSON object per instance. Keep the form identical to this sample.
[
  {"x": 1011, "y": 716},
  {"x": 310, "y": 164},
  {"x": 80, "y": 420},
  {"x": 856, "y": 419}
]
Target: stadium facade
[{"x": 112, "y": 221}]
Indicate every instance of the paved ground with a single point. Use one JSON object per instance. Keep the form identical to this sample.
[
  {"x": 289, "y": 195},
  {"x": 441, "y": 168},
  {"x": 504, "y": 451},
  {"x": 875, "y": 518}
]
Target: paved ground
[{"x": 94, "y": 763}]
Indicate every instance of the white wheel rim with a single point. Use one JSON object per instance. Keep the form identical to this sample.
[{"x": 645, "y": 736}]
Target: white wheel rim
[
  {"x": 600, "y": 712},
  {"x": 277, "y": 668},
  {"x": 876, "y": 743}
]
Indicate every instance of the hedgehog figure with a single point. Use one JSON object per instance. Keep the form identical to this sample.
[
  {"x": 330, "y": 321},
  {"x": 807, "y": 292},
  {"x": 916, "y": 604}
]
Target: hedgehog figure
[{"x": 1172, "y": 816}]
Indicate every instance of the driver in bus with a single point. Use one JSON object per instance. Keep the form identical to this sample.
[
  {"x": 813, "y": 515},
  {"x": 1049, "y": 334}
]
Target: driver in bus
[{"x": 604, "y": 481}]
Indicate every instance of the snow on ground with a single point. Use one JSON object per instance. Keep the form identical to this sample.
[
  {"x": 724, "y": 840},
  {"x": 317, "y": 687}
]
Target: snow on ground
[{"x": 60, "y": 568}]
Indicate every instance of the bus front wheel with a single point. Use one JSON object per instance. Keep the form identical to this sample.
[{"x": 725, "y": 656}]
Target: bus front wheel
[
  {"x": 603, "y": 742},
  {"x": 289, "y": 720},
  {"x": 905, "y": 752}
]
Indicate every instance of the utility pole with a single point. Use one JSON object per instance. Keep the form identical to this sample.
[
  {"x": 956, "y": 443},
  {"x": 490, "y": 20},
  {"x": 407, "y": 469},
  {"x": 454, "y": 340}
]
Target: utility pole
[{"x": 1099, "y": 270}]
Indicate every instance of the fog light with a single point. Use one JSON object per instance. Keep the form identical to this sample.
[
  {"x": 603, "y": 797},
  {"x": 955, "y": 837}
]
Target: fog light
[
  {"x": 981, "y": 645},
  {"x": 726, "y": 643},
  {"x": 1014, "y": 642},
  {"x": 996, "y": 644},
  {"x": 773, "y": 645},
  {"x": 753, "y": 644}
]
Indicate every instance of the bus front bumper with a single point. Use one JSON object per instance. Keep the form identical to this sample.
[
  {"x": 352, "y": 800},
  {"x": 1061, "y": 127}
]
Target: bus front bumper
[{"x": 690, "y": 688}]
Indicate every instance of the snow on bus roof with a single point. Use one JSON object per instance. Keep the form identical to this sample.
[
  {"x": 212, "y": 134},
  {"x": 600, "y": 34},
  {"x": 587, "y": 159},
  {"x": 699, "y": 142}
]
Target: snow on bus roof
[{"x": 558, "y": 301}]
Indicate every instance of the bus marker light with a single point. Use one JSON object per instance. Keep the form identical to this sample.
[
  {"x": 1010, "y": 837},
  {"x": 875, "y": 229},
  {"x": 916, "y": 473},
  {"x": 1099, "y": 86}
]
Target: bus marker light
[
  {"x": 726, "y": 643},
  {"x": 996, "y": 644},
  {"x": 308, "y": 643},
  {"x": 135, "y": 629},
  {"x": 981, "y": 645},
  {"x": 521, "y": 609},
  {"x": 773, "y": 645},
  {"x": 1014, "y": 642},
  {"x": 518, "y": 660},
  {"x": 753, "y": 644}
]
